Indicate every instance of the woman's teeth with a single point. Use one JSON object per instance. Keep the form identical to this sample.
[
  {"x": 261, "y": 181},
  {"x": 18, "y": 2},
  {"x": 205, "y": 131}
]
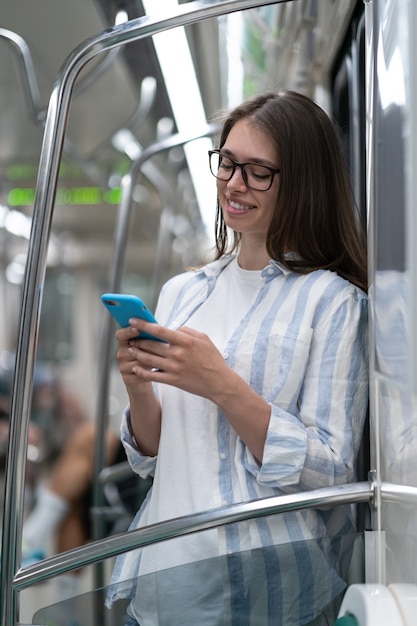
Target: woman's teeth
[{"x": 238, "y": 206}]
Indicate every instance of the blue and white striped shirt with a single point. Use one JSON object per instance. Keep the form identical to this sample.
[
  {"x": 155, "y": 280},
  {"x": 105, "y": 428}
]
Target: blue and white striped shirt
[{"x": 302, "y": 345}]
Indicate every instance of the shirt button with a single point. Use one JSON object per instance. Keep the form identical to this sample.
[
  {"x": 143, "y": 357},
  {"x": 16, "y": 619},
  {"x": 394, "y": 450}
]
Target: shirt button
[
  {"x": 223, "y": 455},
  {"x": 226, "y": 356},
  {"x": 270, "y": 270}
]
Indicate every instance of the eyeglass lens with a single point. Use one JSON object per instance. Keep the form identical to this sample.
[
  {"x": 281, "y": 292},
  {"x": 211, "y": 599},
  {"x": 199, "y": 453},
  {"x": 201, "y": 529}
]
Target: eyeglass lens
[{"x": 255, "y": 176}]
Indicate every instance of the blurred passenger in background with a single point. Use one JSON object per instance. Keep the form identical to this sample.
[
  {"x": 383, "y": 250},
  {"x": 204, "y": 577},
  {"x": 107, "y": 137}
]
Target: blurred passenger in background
[
  {"x": 59, "y": 473},
  {"x": 56, "y": 413},
  {"x": 62, "y": 509},
  {"x": 58, "y": 480},
  {"x": 259, "y": 387}
]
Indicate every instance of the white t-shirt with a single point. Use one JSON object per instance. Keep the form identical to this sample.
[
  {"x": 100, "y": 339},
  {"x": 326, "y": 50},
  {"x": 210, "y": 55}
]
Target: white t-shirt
[{"x": 234, "y": 292}]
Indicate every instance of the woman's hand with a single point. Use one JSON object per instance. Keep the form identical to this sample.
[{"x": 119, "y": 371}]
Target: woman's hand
[
  {"x": 145, "y": 410},
  {"x": 189, "y": 360},
  {"x": 186, "y": 359}
]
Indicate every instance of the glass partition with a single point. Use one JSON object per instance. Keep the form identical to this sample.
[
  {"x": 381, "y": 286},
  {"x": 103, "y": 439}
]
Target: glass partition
[
  {"x": 286, "y": 584},
  {"x": 391, "y": 175}
]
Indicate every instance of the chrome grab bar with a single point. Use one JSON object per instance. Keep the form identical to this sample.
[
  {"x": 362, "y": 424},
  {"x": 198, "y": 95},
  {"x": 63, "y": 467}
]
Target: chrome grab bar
[
  {"x": 27, "y": 74},
  {"x": 403, "y": 494},
  {"x": 37, "y": 113},
  {"x": 355, "y": 493},
  {"x": 116, "y": 544},
  {"x": 111, "y": 546}
]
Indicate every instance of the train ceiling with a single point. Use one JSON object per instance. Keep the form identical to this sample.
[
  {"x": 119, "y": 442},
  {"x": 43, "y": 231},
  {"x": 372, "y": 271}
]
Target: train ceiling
[{"x": 120, "y": 102}]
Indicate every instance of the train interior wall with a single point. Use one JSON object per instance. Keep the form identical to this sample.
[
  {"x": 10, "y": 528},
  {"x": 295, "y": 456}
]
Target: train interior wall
[{"x": 374, "y": 108}]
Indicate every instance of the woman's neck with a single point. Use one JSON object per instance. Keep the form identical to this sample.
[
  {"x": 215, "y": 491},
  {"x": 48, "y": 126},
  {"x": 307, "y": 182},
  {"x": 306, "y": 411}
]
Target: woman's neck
[{"x": 253, "y": 257}]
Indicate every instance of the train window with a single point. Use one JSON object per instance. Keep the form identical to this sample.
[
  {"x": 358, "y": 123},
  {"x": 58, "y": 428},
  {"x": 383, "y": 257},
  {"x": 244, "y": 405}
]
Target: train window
[
  {"x": 56, "y": 321},
  {"x": 139, "y": 285},
  {"x": 348, "y": 105}
]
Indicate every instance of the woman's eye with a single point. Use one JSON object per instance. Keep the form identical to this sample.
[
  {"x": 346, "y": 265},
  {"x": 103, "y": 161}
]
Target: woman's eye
[{"x": 259, "y": 174}]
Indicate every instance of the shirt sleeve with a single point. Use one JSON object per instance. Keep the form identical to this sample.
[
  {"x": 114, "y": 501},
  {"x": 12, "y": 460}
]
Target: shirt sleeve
[
  {"x": 140, "y": 464},
  {"x": 316, "y": 445}
]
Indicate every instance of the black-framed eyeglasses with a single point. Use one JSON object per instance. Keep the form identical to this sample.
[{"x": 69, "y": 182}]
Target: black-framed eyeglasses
[{"x": 255, "y": 176}]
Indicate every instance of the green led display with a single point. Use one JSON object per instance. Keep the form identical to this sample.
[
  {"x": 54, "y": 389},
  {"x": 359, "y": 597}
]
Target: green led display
[{"x": 86, "y": 196}]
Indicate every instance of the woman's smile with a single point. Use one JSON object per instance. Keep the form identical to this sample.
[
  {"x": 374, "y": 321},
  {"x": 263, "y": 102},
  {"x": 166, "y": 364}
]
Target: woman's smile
[{"x": 237, "y": 208}]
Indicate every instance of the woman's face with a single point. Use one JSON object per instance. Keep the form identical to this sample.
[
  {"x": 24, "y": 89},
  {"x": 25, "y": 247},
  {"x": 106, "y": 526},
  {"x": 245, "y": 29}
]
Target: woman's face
[{"x": 246, "y": 210}]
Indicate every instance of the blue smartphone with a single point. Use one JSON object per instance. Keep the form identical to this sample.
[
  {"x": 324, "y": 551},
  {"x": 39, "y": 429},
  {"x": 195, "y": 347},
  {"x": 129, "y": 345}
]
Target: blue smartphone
[{"x": 125, "y": 306}]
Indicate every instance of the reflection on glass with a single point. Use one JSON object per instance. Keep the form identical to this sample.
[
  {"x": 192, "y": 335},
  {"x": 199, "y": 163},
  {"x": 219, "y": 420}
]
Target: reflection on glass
[
  {"x": 229, "y": 589},
  {"x": 396, "y": 401},
  {"x": 393, "y": 281}
]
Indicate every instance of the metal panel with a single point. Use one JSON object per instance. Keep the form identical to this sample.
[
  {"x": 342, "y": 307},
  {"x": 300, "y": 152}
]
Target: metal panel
[{"x": 392, "y": 129}]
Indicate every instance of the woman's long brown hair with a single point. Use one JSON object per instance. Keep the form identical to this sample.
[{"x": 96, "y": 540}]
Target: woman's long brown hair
[{"x": 315, "y": 216}]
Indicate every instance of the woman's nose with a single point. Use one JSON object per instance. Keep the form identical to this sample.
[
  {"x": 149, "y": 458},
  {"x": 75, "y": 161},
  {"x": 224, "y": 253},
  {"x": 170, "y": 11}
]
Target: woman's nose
[{"x": 237, "y": 180}]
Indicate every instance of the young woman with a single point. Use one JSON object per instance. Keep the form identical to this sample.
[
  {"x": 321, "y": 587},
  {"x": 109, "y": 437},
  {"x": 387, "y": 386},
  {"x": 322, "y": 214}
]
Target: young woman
[{"x": 260, "y": 388}]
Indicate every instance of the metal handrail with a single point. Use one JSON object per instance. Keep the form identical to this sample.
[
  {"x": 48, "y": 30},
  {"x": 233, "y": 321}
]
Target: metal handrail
[
  {"x": 28, "y": 75},
  {"x": 355, "y": 493},
  {"x": 392, "y": 492},
  {"x": 37, "y": 113},
  {"x": 29, "y": 83},
  {"x": 111, "y": 546}
]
